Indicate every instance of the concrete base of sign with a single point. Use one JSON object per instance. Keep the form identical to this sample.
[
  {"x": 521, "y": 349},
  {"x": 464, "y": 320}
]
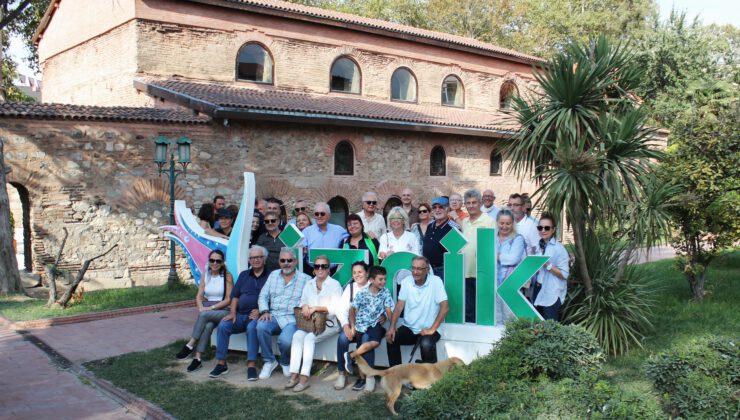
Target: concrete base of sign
[{"x": 466, "y": 341}]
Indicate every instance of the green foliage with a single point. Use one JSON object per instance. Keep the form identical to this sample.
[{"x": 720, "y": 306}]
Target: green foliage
[
  {"x": 96, "y": 301},
  {"x": 700, "y": 379},
  {"x": 617, "y": 311}
]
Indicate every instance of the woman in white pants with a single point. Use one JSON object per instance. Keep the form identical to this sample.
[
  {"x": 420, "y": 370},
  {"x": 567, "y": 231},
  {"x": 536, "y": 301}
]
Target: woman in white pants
[{"x": 321, "y": 294}]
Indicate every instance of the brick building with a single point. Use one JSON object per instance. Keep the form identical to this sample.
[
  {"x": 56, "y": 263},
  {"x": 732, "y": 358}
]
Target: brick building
[{"x": 318, "y": 104}]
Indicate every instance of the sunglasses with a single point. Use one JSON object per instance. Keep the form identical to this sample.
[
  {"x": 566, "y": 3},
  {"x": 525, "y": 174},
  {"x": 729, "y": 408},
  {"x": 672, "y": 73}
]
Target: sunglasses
[
  {"x": 297, "y": 209},
  {"x": 545, "y": 228},
  {"x": 371, "y": 203},
  {"x": 256, "y": 257},
  {"x": 424, "y": 211},
  {"x": 270, "y": 221},
  {"x": 437, "y": 206},
  {"x": 286, "y": 261},
  {"x": 396, "y": 218},
  {"x": 321, "y": 266},
  {"x": 319, "y": 213},
  {"x": 212, "y": 261}
]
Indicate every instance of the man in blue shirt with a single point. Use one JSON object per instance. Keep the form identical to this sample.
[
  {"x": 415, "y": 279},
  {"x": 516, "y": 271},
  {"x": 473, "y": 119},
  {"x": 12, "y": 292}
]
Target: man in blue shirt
[
  {"x": 432, "y": 248},
  {"x": 424, "y": 299},
  {"x": 322, "y": 234},
  {"x": 243, "y": 310}
]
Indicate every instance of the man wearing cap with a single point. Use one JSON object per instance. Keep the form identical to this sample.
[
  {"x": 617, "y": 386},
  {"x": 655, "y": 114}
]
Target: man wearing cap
[
  {"x": 225, "y": 220},
  {"x": 432, "y": 248},
  {"x": 373, "y": 222}
]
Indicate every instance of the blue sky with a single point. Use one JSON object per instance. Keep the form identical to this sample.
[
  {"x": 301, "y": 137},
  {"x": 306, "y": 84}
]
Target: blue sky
[{"x": 709, "y": 11}]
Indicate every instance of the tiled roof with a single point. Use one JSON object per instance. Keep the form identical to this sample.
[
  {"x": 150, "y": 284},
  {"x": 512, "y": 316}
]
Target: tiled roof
[
  {"x": 98, "y": 113},
  {"x": 228, "y": 101},
  {"x": 377, "y": 24}
]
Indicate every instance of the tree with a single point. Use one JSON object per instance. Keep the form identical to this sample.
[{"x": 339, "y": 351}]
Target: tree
[
  {"x": 703, "y": 162},
  {"x": 10, "y": 278},
  {"x": 17, "y": 18}
]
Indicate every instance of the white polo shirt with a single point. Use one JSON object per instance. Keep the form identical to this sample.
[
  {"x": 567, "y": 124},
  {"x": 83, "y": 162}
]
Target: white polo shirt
[
  {"x": 375, "y": 225},
  {"x": 421, "y": 302}
]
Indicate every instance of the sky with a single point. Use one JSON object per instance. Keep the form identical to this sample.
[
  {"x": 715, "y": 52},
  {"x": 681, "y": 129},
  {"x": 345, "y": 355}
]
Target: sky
[{"x": 709, "y": 11}]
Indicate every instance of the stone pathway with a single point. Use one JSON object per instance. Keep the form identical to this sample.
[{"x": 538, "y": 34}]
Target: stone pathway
[{"x": 35, "y": 388}]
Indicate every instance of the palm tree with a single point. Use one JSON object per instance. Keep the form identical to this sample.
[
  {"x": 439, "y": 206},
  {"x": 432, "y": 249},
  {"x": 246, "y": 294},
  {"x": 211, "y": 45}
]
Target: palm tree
[{"x": 583, "y": 138}]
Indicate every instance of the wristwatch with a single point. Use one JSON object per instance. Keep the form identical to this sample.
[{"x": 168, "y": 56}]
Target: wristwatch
[{"x": 548, "y": 267}]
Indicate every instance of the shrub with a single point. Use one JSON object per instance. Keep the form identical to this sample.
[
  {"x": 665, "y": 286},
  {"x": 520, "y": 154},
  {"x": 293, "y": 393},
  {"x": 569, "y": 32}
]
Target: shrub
[
  {"x": 699, "y": 379},
  {"x": 616, "y": 312}
]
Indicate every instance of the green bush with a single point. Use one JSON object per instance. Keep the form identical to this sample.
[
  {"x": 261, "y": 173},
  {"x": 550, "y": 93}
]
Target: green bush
[
  {"x": 508, "y": 380},
  {"x": 700, "y": 379},
  {"x": 616, "y": 312}
]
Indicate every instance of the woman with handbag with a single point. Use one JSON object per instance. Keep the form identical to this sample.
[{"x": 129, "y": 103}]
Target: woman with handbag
[{"x": 315, "y": 320}]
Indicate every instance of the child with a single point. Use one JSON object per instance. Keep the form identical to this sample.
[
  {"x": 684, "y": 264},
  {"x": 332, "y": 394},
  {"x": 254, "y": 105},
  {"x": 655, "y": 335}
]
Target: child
[{"x": 364, "y": 316}]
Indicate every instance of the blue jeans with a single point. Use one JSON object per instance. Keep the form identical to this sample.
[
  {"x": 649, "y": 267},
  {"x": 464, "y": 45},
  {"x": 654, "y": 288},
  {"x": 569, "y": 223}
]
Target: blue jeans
[
  {"x": 264, "y": 330},
  {"x": 236, "y": 326},
  {"x": 551, "y": 312},
  {"x": 343, "y": 346}
]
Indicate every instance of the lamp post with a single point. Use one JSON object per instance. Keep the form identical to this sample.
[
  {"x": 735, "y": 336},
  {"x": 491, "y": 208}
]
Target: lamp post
[{"x": 160, "y": 158}]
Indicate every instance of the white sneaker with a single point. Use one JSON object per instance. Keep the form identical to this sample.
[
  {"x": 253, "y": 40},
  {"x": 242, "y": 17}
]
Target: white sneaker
[
  {"x": 370, "y": 384},
  {"x": 341, "y": 381},
  {"x": 267, "y": 369},
  {"x": 286, "y": 371}
]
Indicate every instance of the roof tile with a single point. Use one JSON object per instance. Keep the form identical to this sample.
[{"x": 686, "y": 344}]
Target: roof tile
[{"x": 97, "y": 113}]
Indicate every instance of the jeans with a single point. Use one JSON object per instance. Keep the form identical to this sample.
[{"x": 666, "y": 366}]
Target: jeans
[
  {"x": 439, "y": 271},
  {"x": 470, "y": 283},
  {"x": 404, "y": 336},
  {"x": 264, "y": 330},
  {"x": 204, "y": 325},
  {"x": 235, "y": 326},
  {"x": 551, "y": 312},
  {"x": 343, "y": 346}
]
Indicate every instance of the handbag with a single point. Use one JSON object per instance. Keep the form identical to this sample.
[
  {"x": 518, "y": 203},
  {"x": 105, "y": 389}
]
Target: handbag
[{"x": 316, "y": 324}]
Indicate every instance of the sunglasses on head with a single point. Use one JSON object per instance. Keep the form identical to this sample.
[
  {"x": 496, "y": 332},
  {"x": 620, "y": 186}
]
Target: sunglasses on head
[
  {"x": 297, "y": 209},
  {"x": 319, "y": 213},
  {"x": 286, "y": 260},
  {"x": 270, "y": 220},
  {"x": 212, "y": 261},
  {"x": 321, "y": 266},
  {"x": 371, "y": 203},
  {"x": 545, "y": 228},
  {"x": 423, "y": 211}
]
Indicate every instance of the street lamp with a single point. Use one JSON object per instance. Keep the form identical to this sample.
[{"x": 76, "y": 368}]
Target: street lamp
[{"x": 160, "y": 158}]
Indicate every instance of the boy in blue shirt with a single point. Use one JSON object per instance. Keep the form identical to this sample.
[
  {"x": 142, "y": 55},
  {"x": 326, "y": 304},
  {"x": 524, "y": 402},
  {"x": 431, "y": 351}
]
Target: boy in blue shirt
[{"x": 364, "y": 318}]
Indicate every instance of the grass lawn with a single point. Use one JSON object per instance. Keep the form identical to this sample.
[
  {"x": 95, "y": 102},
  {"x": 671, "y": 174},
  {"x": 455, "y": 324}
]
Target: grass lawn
[
  {"x": 24, "y": 309},
  {"x": 146, "y": 374},
  {"x": 677, "y": 318}
]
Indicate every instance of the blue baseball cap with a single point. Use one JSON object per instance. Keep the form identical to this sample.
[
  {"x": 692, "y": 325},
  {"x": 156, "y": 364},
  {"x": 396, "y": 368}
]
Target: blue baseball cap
[{"x": 442, "y": 201}]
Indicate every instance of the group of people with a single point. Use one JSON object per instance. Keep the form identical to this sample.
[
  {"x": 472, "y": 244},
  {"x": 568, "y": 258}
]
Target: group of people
[{"x": 262, "y": 301}]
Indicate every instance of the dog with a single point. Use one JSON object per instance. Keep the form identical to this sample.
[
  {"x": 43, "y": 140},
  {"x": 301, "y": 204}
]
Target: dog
[{"x": 420, "y": 376}]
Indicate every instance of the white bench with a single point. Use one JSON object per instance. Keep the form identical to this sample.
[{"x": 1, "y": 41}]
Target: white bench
[{"x": 466, "y": 341}]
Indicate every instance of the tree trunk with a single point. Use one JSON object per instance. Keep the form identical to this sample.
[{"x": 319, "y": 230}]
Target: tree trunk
[
  {"x": 53, "y": 271},
  {"x": 10, "y": 278},
  {"x": 64, "y": 300},
  {"x": 624, "y": 260},
  {"x": 581, "y": 254},
  {"x": 697, "y": 286}
]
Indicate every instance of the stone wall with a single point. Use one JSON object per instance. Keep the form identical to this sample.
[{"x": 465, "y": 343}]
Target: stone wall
[{"x": 99, "y": 181}]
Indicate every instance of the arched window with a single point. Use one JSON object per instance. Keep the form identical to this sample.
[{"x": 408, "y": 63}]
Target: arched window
[
  {"x": 453, "y": 93},
  {"x": 393, "y": 201},
  {"x": 339, "y": 211},
  {"x": 495, "y": 163},
  {"x": 344, "y": 159},
  {"x": 345, "y": 76},
  {"x": 438, "y": 162},
  {"x": 253, "y": 63},
  {"x": 507, "y": 92},
  {"x": 403, "y": 85}
]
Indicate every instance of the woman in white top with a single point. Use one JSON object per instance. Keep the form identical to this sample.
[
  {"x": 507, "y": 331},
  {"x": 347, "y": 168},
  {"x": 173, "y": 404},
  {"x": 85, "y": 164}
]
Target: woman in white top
[
  {"x": 398, "y": 239},
  {"x": 320, "y": 294},
  {"x": 358, "y": 282},
  {"x": 212, "y": 301}
]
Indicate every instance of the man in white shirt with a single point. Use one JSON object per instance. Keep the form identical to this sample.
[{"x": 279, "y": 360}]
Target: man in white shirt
[
  {"x": 423, "y": 300},
  {"x": 488, "y": 207},
  {"x": 524, "y": 225},
  {"x": 373, "y": 221}
]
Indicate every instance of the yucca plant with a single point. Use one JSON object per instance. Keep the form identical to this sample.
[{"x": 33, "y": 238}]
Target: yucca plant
[{"x": 618, "y": 309}]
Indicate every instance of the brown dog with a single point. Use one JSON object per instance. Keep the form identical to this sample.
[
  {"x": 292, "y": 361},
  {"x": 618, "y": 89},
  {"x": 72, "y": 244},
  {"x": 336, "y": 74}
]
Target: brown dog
[{"x": 421, "y": 376}]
